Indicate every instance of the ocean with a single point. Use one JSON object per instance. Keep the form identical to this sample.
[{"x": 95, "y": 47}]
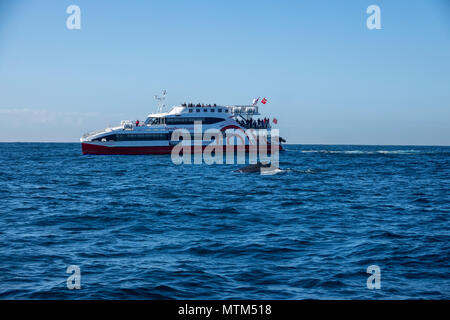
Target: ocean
[{"x": 141, "y": 227}]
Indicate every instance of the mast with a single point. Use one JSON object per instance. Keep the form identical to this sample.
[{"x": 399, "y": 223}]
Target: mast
[{"x": 160, "y": 100}]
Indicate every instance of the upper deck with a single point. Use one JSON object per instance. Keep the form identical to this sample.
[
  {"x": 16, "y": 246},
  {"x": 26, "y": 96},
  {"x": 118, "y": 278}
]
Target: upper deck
[{"x": 208, "y": 110}]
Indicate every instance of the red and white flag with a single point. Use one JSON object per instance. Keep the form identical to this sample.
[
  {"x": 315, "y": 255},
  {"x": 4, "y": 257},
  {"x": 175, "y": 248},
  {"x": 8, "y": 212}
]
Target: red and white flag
[
  {"x": 275, "y": 120},
  {"x": 264, "y": 101}
]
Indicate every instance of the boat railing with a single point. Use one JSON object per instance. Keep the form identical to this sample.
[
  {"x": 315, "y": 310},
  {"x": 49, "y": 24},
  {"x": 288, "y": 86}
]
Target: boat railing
[
  {"x": 253, "y": 126},
  {"x": 95, "y": 132},
  {"x": 127, "y": 124},
  {"x": 91, "y": 133}
]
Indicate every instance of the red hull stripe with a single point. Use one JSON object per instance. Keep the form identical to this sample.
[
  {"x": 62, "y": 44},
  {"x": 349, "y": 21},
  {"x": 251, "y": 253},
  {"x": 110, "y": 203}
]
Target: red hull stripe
[
  {"x": 231, "y": 126},
  {"x": 97, "y": 149}
]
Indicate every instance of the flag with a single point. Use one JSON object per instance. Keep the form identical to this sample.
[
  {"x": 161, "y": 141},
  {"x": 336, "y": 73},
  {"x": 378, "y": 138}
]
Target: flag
[
  {"x": 263, "y": 101},
  {"x": 274, "y": 120},
  {"x": 255, "y": 101}
]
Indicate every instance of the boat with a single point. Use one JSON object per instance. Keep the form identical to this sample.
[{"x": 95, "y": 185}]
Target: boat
[{"x": 155, "y": 134}]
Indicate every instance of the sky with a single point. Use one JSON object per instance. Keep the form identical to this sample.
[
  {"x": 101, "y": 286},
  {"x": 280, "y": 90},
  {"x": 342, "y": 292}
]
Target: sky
[{"x": 327, "y": 77}]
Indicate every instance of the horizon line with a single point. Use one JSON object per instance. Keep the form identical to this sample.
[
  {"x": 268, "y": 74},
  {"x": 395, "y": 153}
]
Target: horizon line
[{"x": 305, "y": 144}]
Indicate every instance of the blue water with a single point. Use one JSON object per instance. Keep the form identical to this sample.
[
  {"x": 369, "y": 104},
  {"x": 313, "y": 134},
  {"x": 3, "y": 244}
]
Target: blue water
[{"x": 140, "y": 227}]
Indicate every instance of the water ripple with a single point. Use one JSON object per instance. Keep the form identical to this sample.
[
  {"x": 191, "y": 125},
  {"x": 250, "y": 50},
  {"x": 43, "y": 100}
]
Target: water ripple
[{"x": 141, "y": 227}]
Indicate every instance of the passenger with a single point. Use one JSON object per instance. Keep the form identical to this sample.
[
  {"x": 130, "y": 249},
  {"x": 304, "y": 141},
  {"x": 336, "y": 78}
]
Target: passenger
[{"x": 137, "y": 123}]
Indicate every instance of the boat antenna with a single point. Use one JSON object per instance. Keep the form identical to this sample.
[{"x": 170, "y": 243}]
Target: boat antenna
[{"x": 160, "y": 100}]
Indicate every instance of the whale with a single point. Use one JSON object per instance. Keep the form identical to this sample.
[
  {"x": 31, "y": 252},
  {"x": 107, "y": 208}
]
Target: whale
[{"x": 253, "y": 168}]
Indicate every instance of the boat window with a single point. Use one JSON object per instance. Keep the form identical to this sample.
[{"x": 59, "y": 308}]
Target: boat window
[
  {"x": 212, "y": 110},
  {"x": 198, "y": 110},
  {"x": 205, "y": 110},
  {"x": 219, "y": 110},
  {"x": 152, "y": 121},
  {"x": 226, "y": 110},
  {"x": 190, "y": 110},
  {"x": 142, "y": 136},
  {"x": 204, "y": 120}
]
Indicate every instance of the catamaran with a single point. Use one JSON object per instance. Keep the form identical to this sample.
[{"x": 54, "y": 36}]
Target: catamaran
[{"x": 154, "y": 135}]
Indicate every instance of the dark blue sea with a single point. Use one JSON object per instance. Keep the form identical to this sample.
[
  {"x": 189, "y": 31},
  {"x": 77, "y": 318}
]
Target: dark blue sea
[{"x": 140, "y": 227}]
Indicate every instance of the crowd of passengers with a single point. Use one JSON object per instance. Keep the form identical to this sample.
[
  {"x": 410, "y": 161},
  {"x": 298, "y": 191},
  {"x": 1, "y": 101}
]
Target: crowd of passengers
[
  {"x": 255, "y": 124},
  {"x": 198, "y": 105}
]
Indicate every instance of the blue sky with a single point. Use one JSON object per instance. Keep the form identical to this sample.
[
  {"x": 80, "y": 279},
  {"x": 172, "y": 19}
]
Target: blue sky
[{"x": 328, "y": 78}]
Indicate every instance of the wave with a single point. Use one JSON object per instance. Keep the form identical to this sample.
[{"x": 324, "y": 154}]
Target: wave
[
  {"x": 162, "y": 231},
  {"x": 374, "y": 151}
]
